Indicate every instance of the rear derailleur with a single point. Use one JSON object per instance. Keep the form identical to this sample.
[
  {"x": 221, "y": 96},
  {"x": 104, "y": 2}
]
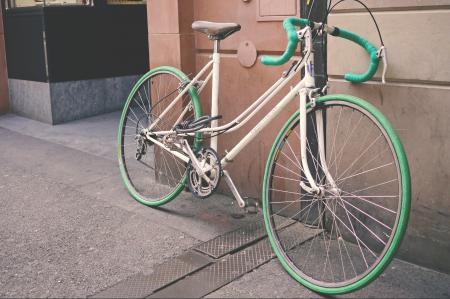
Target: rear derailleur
[{"x": 141, "y": 146}]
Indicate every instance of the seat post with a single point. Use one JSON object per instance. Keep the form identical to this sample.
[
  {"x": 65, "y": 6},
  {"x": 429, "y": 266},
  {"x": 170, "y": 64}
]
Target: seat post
[
  {"x": 215, "y": 91},
  {"x": 216, "y": 46}
]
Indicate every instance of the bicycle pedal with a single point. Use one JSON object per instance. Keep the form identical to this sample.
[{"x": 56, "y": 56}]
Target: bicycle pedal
[
  {"x": 236, "y": 212},
  {"x": 251, "y": 205},
  {"x": 238, "y": 215}
]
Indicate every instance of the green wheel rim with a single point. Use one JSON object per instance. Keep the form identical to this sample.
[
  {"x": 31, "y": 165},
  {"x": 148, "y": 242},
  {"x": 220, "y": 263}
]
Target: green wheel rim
[
  {"x": 197, "y": 142},
  {"x": 405, "y": 200}
]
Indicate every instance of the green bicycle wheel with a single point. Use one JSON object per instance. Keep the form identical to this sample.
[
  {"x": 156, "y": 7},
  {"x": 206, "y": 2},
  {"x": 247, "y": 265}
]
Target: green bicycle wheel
[
  {"x": 152, "y": 175},
  {"x": 340, "y": 240}
]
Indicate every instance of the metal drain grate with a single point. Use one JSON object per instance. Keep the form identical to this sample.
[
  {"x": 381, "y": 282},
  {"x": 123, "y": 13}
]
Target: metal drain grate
[
  {"x": 232, "y": 267},
  {"x": 192, "y": 275},
  {"x": 232, "y": 241},
  {"x": 237, "y": 239},
  {"x": 218, "y": 274},
  {"x": 140, "y": 285}
]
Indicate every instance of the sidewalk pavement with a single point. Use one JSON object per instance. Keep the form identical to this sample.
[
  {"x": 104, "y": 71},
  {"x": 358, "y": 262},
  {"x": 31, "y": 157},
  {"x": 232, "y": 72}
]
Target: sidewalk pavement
[{"x": 69, "y": 228}]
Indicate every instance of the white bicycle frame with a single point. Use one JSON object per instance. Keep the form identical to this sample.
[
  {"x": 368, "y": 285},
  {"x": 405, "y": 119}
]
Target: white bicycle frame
[{"x": 303, "y": 89}]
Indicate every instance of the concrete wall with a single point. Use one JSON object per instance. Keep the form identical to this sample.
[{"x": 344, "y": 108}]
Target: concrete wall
[
  {"x": 3, "y": 73},
  {"x": 416, "y": 100},
  {"x": 60, "y": 102}
]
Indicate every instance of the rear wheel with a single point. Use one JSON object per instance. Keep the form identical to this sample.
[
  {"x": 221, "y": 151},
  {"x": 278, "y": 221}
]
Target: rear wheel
[
  {"x": 338, "y": 242},
  {"x": 154, "y": 176}
]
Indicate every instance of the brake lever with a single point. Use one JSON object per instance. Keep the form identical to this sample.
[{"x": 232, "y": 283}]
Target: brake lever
[{"x": 382, "y": 53}]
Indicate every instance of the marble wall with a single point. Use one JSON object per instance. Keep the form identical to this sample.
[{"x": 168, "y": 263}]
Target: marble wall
[
  {"x": 61, "y": 102},
  {"x": 30, "y": 99},
  {"x": 79, "y": 99}
]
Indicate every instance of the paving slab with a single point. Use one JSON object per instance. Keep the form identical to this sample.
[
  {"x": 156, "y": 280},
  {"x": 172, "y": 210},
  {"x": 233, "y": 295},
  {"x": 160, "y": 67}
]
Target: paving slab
[
  {"x": 400, "y": 280},
  {"x": 70, "y": 229},
  {"x": 95, "y": 135},
  {"x": 59, "y": 242},
  {"x": 99, "y": 177}
]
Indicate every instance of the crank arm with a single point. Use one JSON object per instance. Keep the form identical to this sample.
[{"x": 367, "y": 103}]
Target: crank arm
[
  {"x": 195, "y": 163},
  {"x": 234, "y": 190}
]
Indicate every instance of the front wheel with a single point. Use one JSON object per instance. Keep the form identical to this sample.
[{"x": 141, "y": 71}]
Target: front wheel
[{"x": 340, "y": 240}]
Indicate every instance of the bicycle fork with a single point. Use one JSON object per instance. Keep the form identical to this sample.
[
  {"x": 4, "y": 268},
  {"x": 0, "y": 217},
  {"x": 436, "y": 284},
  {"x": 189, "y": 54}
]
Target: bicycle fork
[{"x": 313, "y": 188}]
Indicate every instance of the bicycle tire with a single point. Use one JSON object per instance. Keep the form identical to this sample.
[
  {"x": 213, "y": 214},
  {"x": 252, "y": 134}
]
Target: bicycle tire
[
  {"x": 163, "y": 187},
  {"x": 281, "y": 247}
]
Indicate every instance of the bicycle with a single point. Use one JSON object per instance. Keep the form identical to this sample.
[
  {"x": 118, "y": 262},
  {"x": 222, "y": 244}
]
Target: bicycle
[{"x": 336, "y": 191}]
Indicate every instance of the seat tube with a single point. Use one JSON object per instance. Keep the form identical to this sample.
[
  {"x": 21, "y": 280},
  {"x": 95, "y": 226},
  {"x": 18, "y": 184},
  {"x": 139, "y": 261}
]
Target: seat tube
[{"x": 215, "y": 91}]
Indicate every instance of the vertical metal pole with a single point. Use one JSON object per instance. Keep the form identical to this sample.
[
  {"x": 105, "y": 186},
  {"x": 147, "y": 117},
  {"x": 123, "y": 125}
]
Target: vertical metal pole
[{"x": 317, "y": 14}]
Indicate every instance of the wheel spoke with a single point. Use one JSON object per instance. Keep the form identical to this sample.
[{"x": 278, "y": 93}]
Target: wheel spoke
[
  {"x": 290, "y": 205},
  {"x": 156, "y": 174},
  {"x": 362, "y": 223},
  {"x": 298, "y": 213},
  {"x": 291, "y": 201},
  {"x": 357, "y": 218},
  {"x": 361, "y": 155},
  {"x": 365, "y": 213},
  {"x": 353, "y": 232},
  {"x": 285, "y": 178},
  {"x": 367, "y": 163},
  {"x": 375, "y": 186},
  {"x": 364, "y": 172},
  {"x": 350, "y": 195},
  {"x": 284, "y": 191},
  {"x": 290, "y": 170}
]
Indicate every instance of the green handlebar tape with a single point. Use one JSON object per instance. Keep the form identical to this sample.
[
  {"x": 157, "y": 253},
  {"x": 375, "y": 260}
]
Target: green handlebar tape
[
  {"x": 374, "y": 60},
  {"x": 289, "y": 26}
]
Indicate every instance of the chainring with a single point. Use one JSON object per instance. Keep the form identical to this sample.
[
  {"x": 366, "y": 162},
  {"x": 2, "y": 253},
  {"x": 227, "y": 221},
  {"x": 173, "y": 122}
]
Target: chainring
[{"x": 198, "y": 186}]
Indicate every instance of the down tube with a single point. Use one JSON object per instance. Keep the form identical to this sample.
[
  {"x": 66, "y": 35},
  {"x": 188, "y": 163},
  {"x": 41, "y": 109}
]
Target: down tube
[{"x": 262, "y": 124}]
